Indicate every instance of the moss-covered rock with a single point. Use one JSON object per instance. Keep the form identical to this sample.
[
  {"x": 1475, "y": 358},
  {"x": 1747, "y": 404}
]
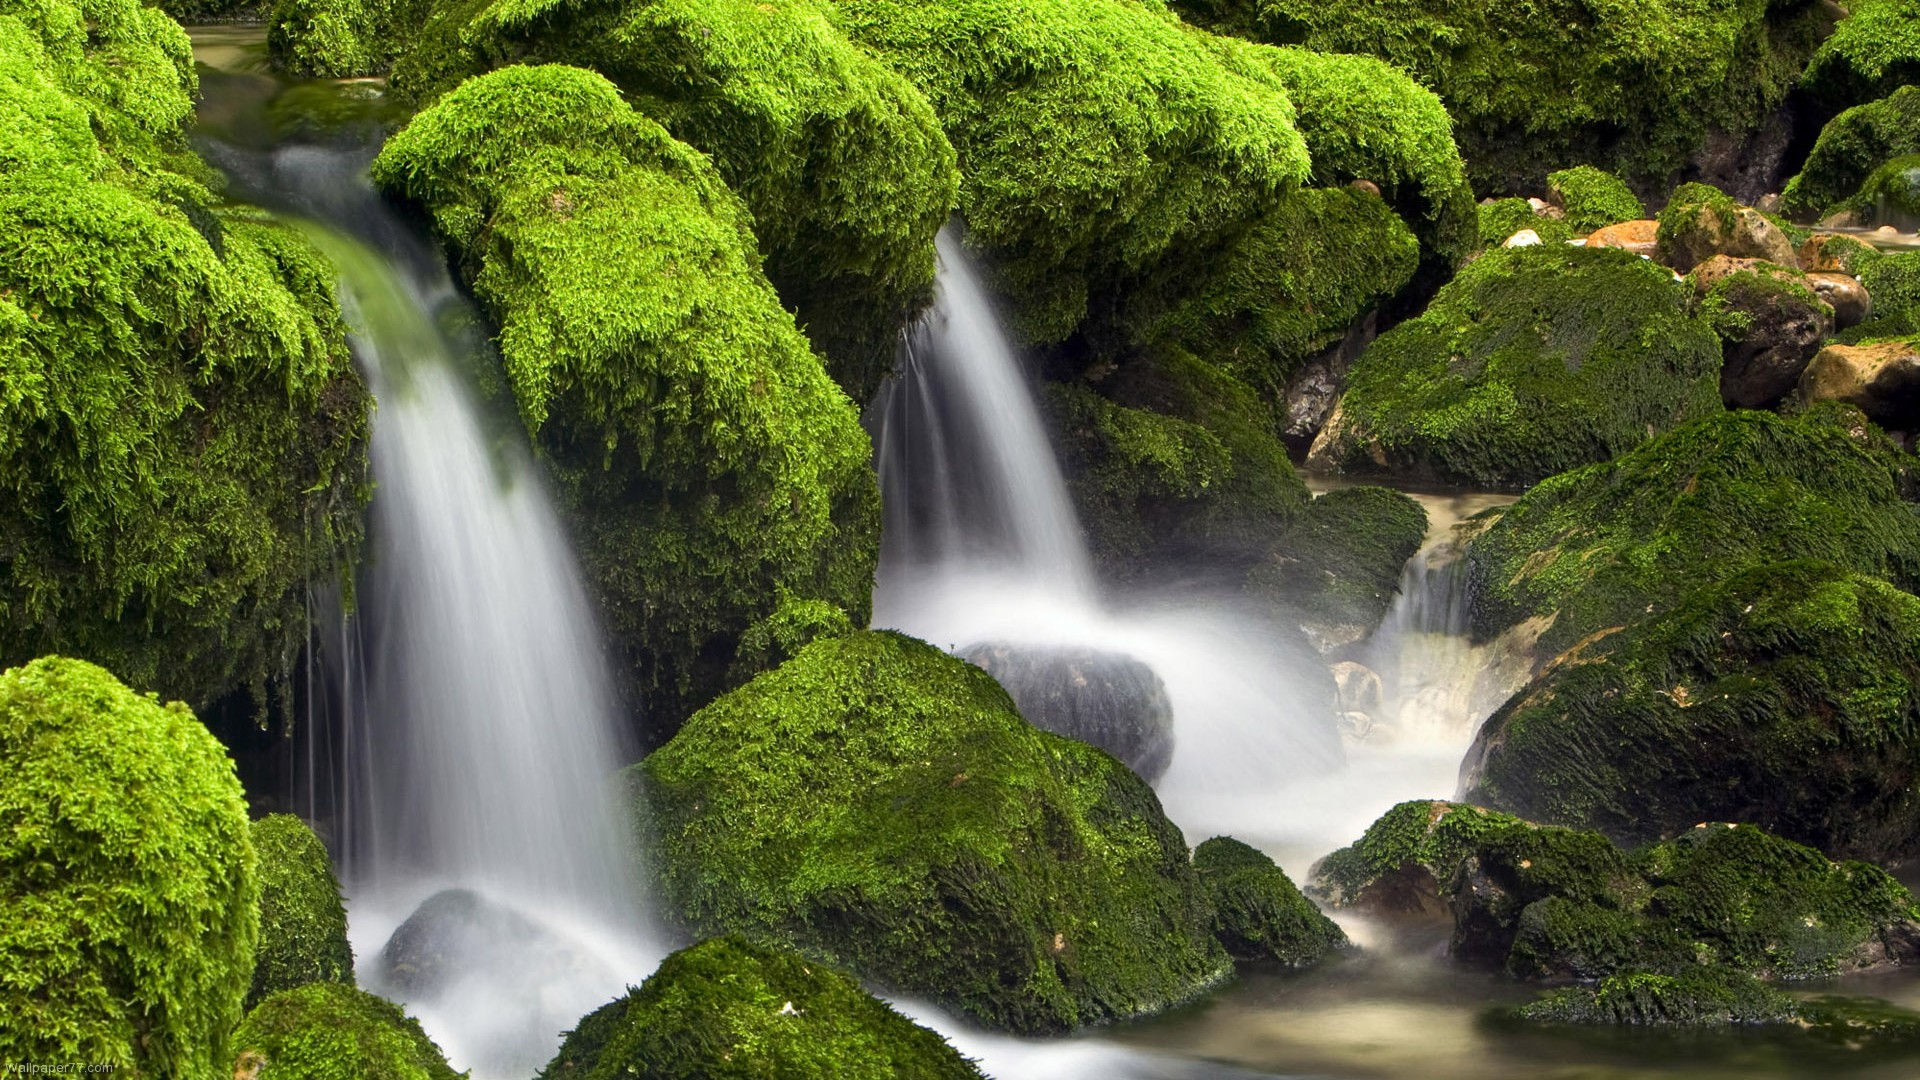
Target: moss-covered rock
[
  {"x": 1501, "y": 219},
  {"x": 1872, "y": 52},
  {"x": 878, "y": 803},
  {"x": 730, "y": 1008},
  {"x": 1258, "y": 914},
  {"x": 1534, "y": 87},
  {"x": 1894, "y": 282},
  {"x": 128, "y": 896},
  {"x": 1532, "y": 361},
  {"x": 712, "y": 468},
  {"x": 303, "y": 924},
  {"x": 181, "y": 433},
  {"x": 331, "y": 1031},
  {"x": 1785, "y": 697},
  {"x": 1771, "y": 321},
  {"x": 1701, "y": 221},
  {"x": 341, "y": 39},
  {"x": 1543, "y": 902},
  {"x": 1601, "y": 547},
  {"x": 1890, "y": 195},
  {"x": 1593, "y": 198},
  {"x": 1710, "y": 997},
  {"x": 1850, "y": 147},
  {"x": 1339, "y": 564}
]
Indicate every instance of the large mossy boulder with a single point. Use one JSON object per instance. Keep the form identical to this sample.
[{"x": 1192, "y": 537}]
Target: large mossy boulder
[
  {"x": 880, "y": 804},
  {"x": 729, "y": 1008},
  {"x": 712, "y": 469},
  {"x": 1260, "y": 917},
  {"x": 1338, "y": 567},
  {"x": 341, "y": 39},
  {"x": 128, "y": 895},
  {"x": 331, "y": 1031},
  {"x": 1543, "y": 902},
  {"x": 1787, "y": 696},
  {"x": 181, "y": 429},
  {"x": 1533, "y": 361},
  {"x": 303, "y": 924},
  {"x": 1872, "y": 52},
  {"x": 1603, "y": 546},
  {"x": 1534, "y": 87},
  {"x": 1850, "y": 147}
]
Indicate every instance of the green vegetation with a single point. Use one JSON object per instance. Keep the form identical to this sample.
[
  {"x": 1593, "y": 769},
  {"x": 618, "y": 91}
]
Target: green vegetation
[
  {"x": 1874, "y": 51},
  {"x": 713, "y": 469},
  {"x": 882, "y": 805},
  {"x": 331, "y": 1031},
  {"x": 1259, "y": 916},
  {"x": 303, "y": 925},
  {"x": 1850, "y": 147},
  {"x": 1532, "y": 361},
  {"x": 1339, "y": 564},
  {"x": 1600, "y": 547},
  {"x": 1501, "y": 218},
  {"x": 1701, "y": 221},
  {"x": 1890, "y": 195},
  {"x": 1894, "y": 282},
  {"x": 341, "y": 39},
  {"x": 128, "y": 899},
  {"x": 726, "y": 1008},
  {"x": 1705, "y": 998},
  {"x": 1593, "y": 199},
  {"x": 181, "y": 427}
]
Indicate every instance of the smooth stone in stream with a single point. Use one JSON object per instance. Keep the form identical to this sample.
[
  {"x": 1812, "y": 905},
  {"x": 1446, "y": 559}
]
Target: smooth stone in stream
[{"x": 1108, "y": 699}]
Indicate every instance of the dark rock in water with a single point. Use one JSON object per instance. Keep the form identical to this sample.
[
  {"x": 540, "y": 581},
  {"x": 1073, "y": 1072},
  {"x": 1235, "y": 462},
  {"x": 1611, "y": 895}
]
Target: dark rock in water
[
  {"x": 1771, "y": 320},
  {"x": 454, "y": 931},
  {"x": 1258, "y": 914},
  {"x": 1108, "y": 699}
]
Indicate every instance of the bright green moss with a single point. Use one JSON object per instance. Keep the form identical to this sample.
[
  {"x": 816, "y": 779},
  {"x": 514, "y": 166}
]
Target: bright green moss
[
  {"x": 1602, "y": 546},
  {"x": 1593, "y": 198},
  {"x": 1532, "y": 361},
  {"x": 727, "y": 1008},
  {"x": 1339, "y": 564},
  {"x": 711, "y": 465},
  {"x": 878, "y": 803},
  {"x": 1890, "y": 195},
  {"x": 303, "y": 925},
  {"x": 1850, "y": 147},
  {"x": 341, "y": 39},
  {"x": 128, "y": 898},
  {"x": 1501, "y": 218},
  {"x": 331, "y": 1031},
  {"x": 1873, "y": 52},
  {"x": 1893, "y": 281},
  {"x": 1258, "y": 914}
]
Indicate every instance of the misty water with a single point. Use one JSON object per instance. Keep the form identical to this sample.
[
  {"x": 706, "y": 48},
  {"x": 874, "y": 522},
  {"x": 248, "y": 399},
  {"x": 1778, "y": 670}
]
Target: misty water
[{"x": 470, "y": 740}]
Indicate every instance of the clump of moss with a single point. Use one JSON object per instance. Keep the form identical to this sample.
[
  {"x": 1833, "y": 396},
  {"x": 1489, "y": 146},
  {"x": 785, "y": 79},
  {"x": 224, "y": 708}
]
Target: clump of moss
[
  {"x": 1501, "y": 218},
  {"x": 303, "y": 925},
  {"x": 126, "y": 877},
  {"x": 1893, "y": 280},
  {"x": 1872, "y": 52},
  {"x": 727, "y": 1007},
  {"x": 1593, "y": 198},
  {"x": 1601, "y": 547},
  {"x": 331, "y": 1031},
  {"x": 1710, "y": 997},
  {"x": 1850, "y": 147},
  {"x": 1701, "y": 221},
  {"x": 1532, "y": 361},
  {"x": 1339, "y": 564},
  {"x": 1258, "y": 914},
  {"x": 712, "y": 467},
  {"x": 878, "y": 803},
  {"x": 1890, "y": 195},
  {"x": 341, "y": 39}
]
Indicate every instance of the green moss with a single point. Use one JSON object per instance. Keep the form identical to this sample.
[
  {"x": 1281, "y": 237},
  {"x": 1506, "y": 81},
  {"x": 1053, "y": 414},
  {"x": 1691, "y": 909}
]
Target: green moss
[
  {"x": 1893, "y": 280},
  {"x": 1784, "y": 697},
  {"x": 880, "y": 804},
  {"x": 1593, "y": 198},
  {"x": 331, "y": 1031},
  {"x": 711, "y": 466},
  {"x": 1601, "y": 547},
  {"x": 1874, "y": 51},
  {"x": 1533, "y": 87},
  {"x": 1259, "y": 916},
  {"x": 729, "y": 1008},
  {"x": 1850, "y": 147},
  {"x": 1710, "y": 997},
  {"x": 1501, "y": 218},
  {"x": 1339, "y": 564},
  {"x": 303, "y": 925},
  {"x": 1890, "y": 195},
  {"x": 128, "y": 898},
  {"x": 1532, "y": 361},
  {"x": 341, "y": 39}
]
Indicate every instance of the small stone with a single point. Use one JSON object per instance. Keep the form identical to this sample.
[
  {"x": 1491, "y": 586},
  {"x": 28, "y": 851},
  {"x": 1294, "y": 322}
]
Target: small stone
[
  {"x": 1635, "y": 236},
  {"x": 1523, "y": 238},
  {"x": 1849, "y": 299},
  {"x": 1366, "y": 186}
]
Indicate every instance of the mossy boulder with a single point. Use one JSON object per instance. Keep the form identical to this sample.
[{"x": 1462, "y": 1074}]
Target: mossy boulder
[
  {"x": 1785, "y": 697},
  {"x": 1890, "y": 195},
  {"x": 1872, "y": 52},
  {"x": 712, "y": 469},
  {"x": 303, "y": 924},
  {"x": 840, "y": 160},
  {"x": 1850, "y": 147},
  {"x": 1710, "y": 997},
  {"x": 1602, "y": 547},
  {"x": 1532, "y": 361},
  {"x": 1533, "y": 88},
  {"x": 1339, "y": 564},
  {"x": 1893, "y": 280},
  {"x": 1882, "y": 380},
  {"x": 128, "y": 894},
  {"x": 1503, "y": 219},
  {"x": 332, "y": 1031},
  {"x": 1258, "y": 914},
  {"x": 1771, "y": 320},
  {"x": 182, "y": 430},
  {"x": 1701, "y": 221},
  {"x": 882, "y": 805},
  {"x": 341, "y": 39},
  {"x": 1592, "y": 198},
  {"x": 729, "y": 1008},
  {"x": 1543, "y": 902}
]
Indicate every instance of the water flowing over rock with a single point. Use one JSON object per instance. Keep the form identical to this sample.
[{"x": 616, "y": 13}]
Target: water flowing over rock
[{"x": 1108, "y": 699}]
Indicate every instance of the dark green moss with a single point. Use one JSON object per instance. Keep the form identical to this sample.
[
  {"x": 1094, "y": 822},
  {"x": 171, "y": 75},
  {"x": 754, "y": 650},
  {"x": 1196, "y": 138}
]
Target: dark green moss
[
  {"x": 1258, "y": 914},
  {"x": 1707, "y": 998},
  {"x": 1601, "y": 547},
  {"x": 303, "y": 925},
  {"x": 1893, "y": 280},
  {"x": 1532, "y": 361},
  {"x": 1593, "y": 198},
  {"x": 1890, "y": 195},
  {"x": 1874, "y": 51},
  {"x": 331, "y": 1031},
  {"x": 1501, "y": 218},
  {"x": 127, "y": 878},
  {"x": 878, "y": 803},
  {"x": 1850, "y": 147},
  {"x": 729, "y": 1008},
  {"x": 712, "y": 468},
  {"x": 1339, "y": 564}
]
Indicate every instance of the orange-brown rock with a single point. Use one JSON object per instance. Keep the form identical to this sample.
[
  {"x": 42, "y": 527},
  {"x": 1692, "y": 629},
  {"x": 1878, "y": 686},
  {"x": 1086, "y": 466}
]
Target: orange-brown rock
[
  {"x": 1635, "y": 236},
  {"x": 1882, "y": 380},
  {"x": 1849, "y": 299},
  {"x": 1835, "y": 253}
]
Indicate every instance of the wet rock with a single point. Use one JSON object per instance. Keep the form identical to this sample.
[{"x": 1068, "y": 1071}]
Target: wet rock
[
  {"x": 1771, "y": 321},
  {"x": 1259, "y": 916},
  {"x": 1638, "y": 237},
  {"x": 1314, "y": 390},
  {"x": 1843, "y": 293},
  {"x": 1108, "y": 699},
  {"x": 1523, "y": 238},
  {"x": 1882, "y": 380},
  {"x": 1701, "y": 222},
  {"x": 453, "y": 932},
  {"x": 1835, "y": 253}
]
